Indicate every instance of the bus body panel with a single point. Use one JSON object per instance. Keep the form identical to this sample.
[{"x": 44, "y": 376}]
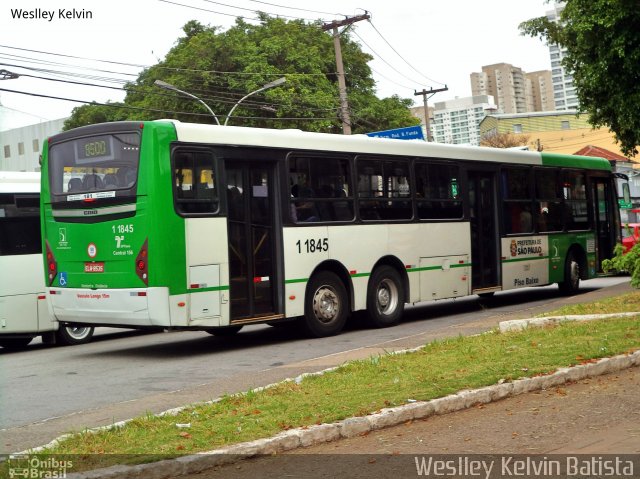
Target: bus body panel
[
  {"x": 525, "y": 261},
  {"x": 207, "y": 271},
  {"x": 21, "y": 286},
  {"x": 436, "y": 269},
  {"x": 122, "y": 307}
]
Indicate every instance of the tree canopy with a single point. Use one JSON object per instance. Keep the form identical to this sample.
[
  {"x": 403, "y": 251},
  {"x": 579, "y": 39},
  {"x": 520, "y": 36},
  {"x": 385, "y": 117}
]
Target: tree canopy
[
  {"x": 220, "y": 67},
  {"x": 602, "y": 39}
]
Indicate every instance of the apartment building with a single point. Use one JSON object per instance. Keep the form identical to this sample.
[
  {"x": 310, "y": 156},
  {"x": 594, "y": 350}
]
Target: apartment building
[
  {"x": 514, "y": 90},
  {"x": 564, "y": 91},
  {"x": 458, "y": 121}
]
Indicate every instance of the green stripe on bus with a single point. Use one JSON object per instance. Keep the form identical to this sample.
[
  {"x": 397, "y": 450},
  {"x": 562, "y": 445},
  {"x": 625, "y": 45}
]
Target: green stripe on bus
[
  {"x": 360, "y": 275},
  {"x": 573, "y": 161},
  {"x": 435, "y": 268},
  {"x": 517, "y": 260},
  {"x": 299, "y": 280},
  {"x": 204, "y": 290}
]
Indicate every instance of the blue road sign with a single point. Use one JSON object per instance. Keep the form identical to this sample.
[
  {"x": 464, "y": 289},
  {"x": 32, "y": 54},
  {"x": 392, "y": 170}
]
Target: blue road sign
[{"x": 407, "y": 133}]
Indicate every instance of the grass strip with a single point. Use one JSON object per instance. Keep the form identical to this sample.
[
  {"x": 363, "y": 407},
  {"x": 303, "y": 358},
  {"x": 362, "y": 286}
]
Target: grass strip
[
  {"x": 361, "y": 387},
  {"x": 616, "y": 304}
]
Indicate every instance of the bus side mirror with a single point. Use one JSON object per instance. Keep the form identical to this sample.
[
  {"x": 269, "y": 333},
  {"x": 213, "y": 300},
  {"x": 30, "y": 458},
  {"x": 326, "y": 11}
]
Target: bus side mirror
[{"x": 626, "y": 194}]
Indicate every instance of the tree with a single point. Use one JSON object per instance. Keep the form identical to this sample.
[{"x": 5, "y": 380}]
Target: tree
[
  {"x": 222, "y": 67},
  {"x": 93, "y": 113},
  {"x": 602, "y": 38},
  {"x": 503, "y": 140}
]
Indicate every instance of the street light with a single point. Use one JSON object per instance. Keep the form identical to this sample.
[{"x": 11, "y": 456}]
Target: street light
[
  {"x": 277, "y": 82},
  {"x": 168, "y": 86},
  {"x": 7, "y": 75}
]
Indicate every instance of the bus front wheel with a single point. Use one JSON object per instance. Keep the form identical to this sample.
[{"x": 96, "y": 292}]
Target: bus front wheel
[
  {"x": 68, "y": 335},
  {"x": 571, "y": 283},
  {"x": 385, "y": 297},
  {"x": 326, "y": 305}
]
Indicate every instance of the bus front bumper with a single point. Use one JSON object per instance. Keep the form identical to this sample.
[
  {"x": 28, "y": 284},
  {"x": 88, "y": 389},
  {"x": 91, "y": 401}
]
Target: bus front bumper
[{"x": 141, "y": 307}]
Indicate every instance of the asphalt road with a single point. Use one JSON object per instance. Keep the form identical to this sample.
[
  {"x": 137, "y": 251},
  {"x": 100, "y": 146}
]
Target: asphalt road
[{"x": 47, "y": 391}]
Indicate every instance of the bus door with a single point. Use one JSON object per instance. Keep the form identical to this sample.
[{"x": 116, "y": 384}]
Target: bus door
[
  {"x": 251, "y": 231},
  {"x": 485, "y": 265},
  {"x": 604, "y": 219}
]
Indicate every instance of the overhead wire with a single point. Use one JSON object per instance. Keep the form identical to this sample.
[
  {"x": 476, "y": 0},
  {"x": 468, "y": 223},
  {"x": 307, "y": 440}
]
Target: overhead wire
[
  {"x": 401, "y": 57},
  {"x": 156, "y": 110},
  {"x": 219, "y": 95},
  {"x": 299, "y": 9},
  {"x": 222, "y": 97},
  {"x": 382, "y": 59},
  {"x": 207, "y": 10},
  {"x": 253, "y": 10}
]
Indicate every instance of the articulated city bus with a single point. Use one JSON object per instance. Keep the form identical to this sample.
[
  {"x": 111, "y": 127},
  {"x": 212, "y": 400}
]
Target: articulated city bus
[
  {"x": 23, "y": 310},
  {"x": 187, "y": 226}
]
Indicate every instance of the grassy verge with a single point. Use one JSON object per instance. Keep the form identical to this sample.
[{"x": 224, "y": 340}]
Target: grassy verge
[
  {"x": 617, "y": 304},
  {"x": 361, "y": 387}
]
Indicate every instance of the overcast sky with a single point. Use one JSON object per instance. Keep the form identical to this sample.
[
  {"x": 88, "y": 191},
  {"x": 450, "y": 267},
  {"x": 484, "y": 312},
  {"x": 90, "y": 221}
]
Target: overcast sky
[{"x": 416, "y": 43}]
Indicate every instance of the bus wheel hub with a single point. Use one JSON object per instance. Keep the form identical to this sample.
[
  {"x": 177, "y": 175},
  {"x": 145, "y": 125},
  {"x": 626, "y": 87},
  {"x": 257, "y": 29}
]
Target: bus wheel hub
[{"x": 325, "y": 304}]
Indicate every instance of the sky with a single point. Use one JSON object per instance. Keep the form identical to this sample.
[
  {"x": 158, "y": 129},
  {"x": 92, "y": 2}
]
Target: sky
[{"x": 416, "y": 44}]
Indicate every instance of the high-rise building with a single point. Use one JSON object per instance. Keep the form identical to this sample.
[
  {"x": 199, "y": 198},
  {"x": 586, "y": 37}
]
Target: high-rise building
[
  {"x": 564, "y": 92},
  {"x": 458, "y": 121},
  {"x": 514, "y": 90},
  {"x": 539, "y": 91},
  {"x": 505, "y": 83}
]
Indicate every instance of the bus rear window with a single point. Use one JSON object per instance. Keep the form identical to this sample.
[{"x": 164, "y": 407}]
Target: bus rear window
[
  {"x": 101, "y": 163},
  {"x": 19, "y": 224}
]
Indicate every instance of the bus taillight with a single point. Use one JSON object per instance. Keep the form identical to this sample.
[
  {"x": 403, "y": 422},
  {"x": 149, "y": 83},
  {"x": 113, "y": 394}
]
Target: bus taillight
[
  {"x": 142, "y": 264},
  {"x": 52, "y": 266}
]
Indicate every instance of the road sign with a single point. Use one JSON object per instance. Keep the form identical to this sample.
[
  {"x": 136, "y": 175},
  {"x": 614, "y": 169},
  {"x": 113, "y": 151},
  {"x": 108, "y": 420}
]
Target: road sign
[{"x": 407, "y": 133}]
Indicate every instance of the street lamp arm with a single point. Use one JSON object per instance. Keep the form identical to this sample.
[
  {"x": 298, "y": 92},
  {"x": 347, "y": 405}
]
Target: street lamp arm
[
  {"x": 168, "y": 86},
  {"x": 7, "y": 75},
  {"x": 277, "y": 82}
]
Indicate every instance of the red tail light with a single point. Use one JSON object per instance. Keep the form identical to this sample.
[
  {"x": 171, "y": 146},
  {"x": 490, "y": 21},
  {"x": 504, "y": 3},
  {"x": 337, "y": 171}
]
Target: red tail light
[
  {"x": 52, "y": 265},
  {"x": 142, "y": 264}
]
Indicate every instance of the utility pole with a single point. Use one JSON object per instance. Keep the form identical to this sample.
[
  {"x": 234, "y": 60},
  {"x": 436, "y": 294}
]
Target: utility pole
[
  {"x": 342, "y": 86},
  {"x": 424, "y": 94}
]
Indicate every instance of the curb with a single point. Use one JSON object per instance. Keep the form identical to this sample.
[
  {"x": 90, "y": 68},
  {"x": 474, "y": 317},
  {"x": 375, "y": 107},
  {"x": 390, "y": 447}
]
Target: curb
[
  {"x": 520, "y": 324},
  {"x": 355, "y": 426}
]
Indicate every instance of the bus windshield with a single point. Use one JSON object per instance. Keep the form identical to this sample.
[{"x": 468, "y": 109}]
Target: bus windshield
[{"x": 100, "y": 163}]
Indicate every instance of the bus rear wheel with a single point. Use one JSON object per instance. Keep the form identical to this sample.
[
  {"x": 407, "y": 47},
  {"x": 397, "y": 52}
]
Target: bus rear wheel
[
  {"x": 68, "y": 335},
  {"x": 385, "y": 297},
  {"x": 326, "y": 305},
  {"x": 571, "y": 283}
]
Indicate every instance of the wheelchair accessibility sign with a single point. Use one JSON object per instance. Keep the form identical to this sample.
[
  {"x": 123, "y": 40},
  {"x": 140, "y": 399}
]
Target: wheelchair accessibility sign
[{"x": 63, "y": 279}]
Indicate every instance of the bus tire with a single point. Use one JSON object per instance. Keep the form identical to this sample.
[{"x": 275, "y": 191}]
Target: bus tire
[
  {"x": 224, "y": 331},
  {"x": 15, "y": 343},
  {"x": 571, "y": 283},
  {"x": 68, "y": 335},
  {"x": 326, "y": 305},
  {"x": 385, "y": 297}
]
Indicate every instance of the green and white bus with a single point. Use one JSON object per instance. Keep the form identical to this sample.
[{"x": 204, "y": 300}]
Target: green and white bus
[{"x": 186, "y": 226}]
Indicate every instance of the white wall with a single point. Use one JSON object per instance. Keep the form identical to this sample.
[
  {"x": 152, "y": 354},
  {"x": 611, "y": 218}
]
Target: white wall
[{"x": 20, "y": 148}]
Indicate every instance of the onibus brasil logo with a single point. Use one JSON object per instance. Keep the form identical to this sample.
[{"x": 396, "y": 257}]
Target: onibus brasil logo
[{"x": 38, "y": 467}]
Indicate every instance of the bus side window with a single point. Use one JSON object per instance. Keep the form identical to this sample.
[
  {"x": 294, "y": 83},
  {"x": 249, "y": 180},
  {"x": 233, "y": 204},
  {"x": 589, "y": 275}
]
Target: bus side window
[
  {"x": 195, "y": 189},
  {"x": 321, "y": 189}
]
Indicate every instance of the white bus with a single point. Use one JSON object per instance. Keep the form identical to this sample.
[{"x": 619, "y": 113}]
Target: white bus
[{"x": 23, "y": 309}]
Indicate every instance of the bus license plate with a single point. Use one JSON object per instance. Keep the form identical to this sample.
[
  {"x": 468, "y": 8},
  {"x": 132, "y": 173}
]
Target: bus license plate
[{"x": 97, "y": 267}]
